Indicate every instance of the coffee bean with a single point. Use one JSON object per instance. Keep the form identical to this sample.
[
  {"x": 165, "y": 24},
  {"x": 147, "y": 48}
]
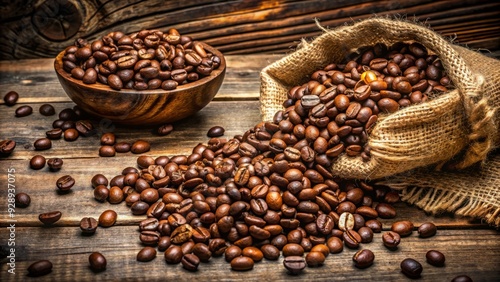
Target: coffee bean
[
  {"x": 215, "y": 131},
  {"x": 40, "y": 268},
  {"x": 335, "y": 245},
  {"x": 107, "y": 151},
  {"x": 403, "y": 228},
  {"x": 294, "y": 264},
  {"x": 165, "y": 129},
  {"x": 351, "y": 239},
  {"x": 49, "y": 218},
  {"x": 427, "y": 229},
  {"x": 99, "y": 179},
  {"x": 107, "y": 218},
  {"x": 363, "y": 258},
  {"x": 24, "y": 111},
  {"x": 385, "y": 210},
  {"x": 173, "y": 254},
  {"x": 71, "y": 134},
  {"x": 37, "y": 162},
  {"x": 7, "y": 147},
  {"x": 108, "y": 139},
  {"x": 64, "y": 183},
  {"x": 88, "y": 225},
  {"x": 146, "y": 254},
  {"x": 391, "y": 239},
  {"x": 346, "y": 221},
  {"x": 435, "y": 258},
  {"x": 190, "y": 262},
  {"x": 270, "y": 252},
  {"x": 315, "y": 259},
  {"x": 140, "y": 147},
  {"x": 90, "y": 76},
  {"x": 411, "y": 268},
  {"x": 42, "y": 144},
  {"x": 122, "y": 147},
  {"x": 84, "y": 127},
  {"x": 47, "y": 110},
  {"x": 242, "y": 263},
  {"x": 97, "y": 262},
  {"x": 22, "y": 200},
  {"x": 11, "y": 98},
  {"x": 101, "y": 193},
  {"x": 55, "y": 164},
  {"x": 54, "y": 134},
  {"x": 462, "y": 278}
]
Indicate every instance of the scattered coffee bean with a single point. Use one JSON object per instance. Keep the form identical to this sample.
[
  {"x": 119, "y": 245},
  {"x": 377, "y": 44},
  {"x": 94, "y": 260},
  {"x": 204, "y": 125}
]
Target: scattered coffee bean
[
  {"x": 88, "y": 225},
  {"x": 363, "y": 258},
  {"x": 99, "y": 179},
  {"x": 37, "y": 162},
  {"x": 107, "y": 151},
  {"x": 55, "y": 164},
  {"x": 391, "y": 239},
  {"x": 64, "y": 183},
  {"x": 40, "y": 268},
  {"x": 101, "y": 193},
  {"x": 42, "y": 144},
  {"x": 215, "y": 131},
  {"x": 462, "y": 278},
  {"x": 54, "y": 134},
  {"x": 242, "y": 263},
  {"x": 122, "y": 147},
  {"x": 11, "y": 98},
  {"x": 146, "y": 254},
  {"x": 7, "y": 147},
  {"x": 411, "y": 268},
  {"x": 85, "y": 128},
  {"x": 165, "y": 129},
  {"x": 107, "y": 218},
  {"x": 435, "y": 258},
  {"x": 97, "y": 262},
  {"x": 108, "y": 139},
  {"x": 24, "y": 111},
  {"x": 190, "y": 262},
  {"x": 140, "y": 146},
  {"x": 23, "y": 200},
  {"x": 49, "y": 218},
  {"x": 315, "y": 259},
  {"x": 427, "y": 229},
  {"x": 403, "y": 228},
  {"x": 47, "y": 110},
  {"x": 71, "y": 134},
  {"x": 294, "y": 264},
  {"x": 173, "y": 254}
]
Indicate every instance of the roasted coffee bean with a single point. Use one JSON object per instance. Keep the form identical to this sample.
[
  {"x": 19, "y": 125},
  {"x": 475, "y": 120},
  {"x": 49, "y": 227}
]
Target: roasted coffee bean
[
  {"x": 411, "y": 268},
  {"x": 40, "y": 268},
  {"x": 146, "y": 254},
  {"x": 7, "y": 147},
  {"x": 42, "y": 144},
  {"x": 107, "y": 218},
  {"x": 366, "y": 234},
  {"x": 11, "y": 98},
  {"x": 242, "y": 263},
  {"x": 462, "y": 278},
  {"x": 71, "y": 134},
  {"x": 140, "y": 146},
  {"x": 385, "y": 210},
  {"x": 391, "y": 239},
  {"x": 335, "y": 245},
  {"x": 427, "y": 229},
  {"x": 55, "y": 164},
  {"x": 37, "y": 162},
  {"x": 108, "y": 139},
  {"x": 99, "y": 179},
  {"x": 165, "y": 129},
  {"x": 270, "y": 252},
  {"x": 49, "y": 218},
  {"x": 363, "y": 258},
  {"x": 435, "y": 258},
  {"x": 122, "y": 147},
  {"x": 107, "y": 151},
  {"x": 22, "y": 200},
  {"x": 88, "y": 225},
  {"x": 54, "y": 134},
  {"x": 97, "y": 262},
  {"x": 24, "y": 111},
  {"x": 351, "y": 239},
  {"x": 190, "y": 262},
  {"x": 293, "y": 249},
  {"x": 101, "y": 193},
  {"x": 346, "y": 221},
  {"x": 294, "y": 264},
  {"x": 115, "y": 195},
  {"x": 315, "y": 259},
  {"x": 173, "y": 254},
  {"x": 215, "y": 131},
  {"x": 84, "y": 127},
  {"x": 403, "y": 228},
  {"x": 47, "y": 110},
  {"x": 64, "y": 183}
]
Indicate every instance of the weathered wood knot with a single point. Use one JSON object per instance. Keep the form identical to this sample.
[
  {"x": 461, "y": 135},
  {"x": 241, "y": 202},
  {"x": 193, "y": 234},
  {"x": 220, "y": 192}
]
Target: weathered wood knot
[{"x": 57, "y": 20}]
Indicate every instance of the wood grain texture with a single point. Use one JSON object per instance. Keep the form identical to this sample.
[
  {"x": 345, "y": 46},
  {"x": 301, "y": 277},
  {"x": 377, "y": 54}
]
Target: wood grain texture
[{"x": 42, "y": 28}]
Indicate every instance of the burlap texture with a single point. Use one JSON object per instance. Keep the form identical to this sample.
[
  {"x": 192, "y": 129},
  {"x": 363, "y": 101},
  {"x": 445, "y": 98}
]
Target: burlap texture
[
  {"x": 460, "y": 121},
  {"x": 473, "y": 192}
]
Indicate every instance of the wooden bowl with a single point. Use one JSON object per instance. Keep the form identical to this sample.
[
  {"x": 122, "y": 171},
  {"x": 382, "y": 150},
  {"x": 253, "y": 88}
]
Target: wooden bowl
[{"x": 146, "y": 107}]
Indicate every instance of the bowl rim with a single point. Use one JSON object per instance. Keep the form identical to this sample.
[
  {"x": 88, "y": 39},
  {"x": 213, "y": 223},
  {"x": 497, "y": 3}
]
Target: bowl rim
[{"x": 98, "y": 86}]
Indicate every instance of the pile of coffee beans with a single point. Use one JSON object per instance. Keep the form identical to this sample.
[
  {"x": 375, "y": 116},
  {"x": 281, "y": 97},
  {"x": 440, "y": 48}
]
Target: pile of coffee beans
[
  {"x": 148, "y": 59},
  {"x": 343, "y": 101}
]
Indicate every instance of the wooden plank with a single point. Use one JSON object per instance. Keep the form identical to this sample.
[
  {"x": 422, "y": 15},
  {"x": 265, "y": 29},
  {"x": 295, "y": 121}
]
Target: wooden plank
[{"x": 471, "y": 252}]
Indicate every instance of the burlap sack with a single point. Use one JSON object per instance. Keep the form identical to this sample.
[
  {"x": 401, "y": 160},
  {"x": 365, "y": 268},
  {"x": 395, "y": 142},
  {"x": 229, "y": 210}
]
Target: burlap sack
[
  {"x": 473, "y": 192},
  {"x": 460, "y": 121}
]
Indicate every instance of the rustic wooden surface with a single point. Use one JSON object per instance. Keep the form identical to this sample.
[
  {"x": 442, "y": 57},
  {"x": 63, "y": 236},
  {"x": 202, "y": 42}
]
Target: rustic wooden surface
[
  {"x": 41, "y": 28},
  {"x": 470, "y": 247}
]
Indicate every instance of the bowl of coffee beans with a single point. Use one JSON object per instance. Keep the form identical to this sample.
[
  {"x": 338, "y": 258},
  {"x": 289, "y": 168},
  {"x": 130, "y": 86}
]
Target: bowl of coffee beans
[{"x": 146, "y": 78}]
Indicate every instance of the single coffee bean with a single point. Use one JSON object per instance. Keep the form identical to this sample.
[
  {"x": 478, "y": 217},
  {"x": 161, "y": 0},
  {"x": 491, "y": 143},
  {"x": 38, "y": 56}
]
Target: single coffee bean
[
  {"x": 42, "y": 144},
  {"x": 146, "y": 254},
  {"x": 47, "y": 110},
  {"x": 11, "y": 98},
  {"x": 351, "y": 239},
  {"x": 315, "y": 259},
  {"x": 54, "y": 134},
  {"x": 427, "y": 229},
  {"x": 107, "y": 218},
  {"x": 65, "y": 183},
  {"x": 108, "y": 139},
  {"x": 363, "y": 258},
  {"x": 335, "y": 245},
  {"x": 411, "y": 268},
  {"x": 37, "y": 162},
  {"x": 140, "y": 146},
  {"x": 84, "y": 127},
  {"x": 403, "y": 228},
  {"x": 24, "y": 111},
  {"x": 190, "y": 262},
  {"x": 173, "y": 254},
  {"x": 71, "y": 134},
  {"x": 99, "y": 179},
  {"x": 435, "y": 258},
  {"x": 385, "y": 210},
  {"x": 49, "y": 218},
  {"x": 165, "y": 129},
  {"x": 7, "y": 147},
  {"x": 270, "y": 252},
  {"x": 215, "y": 131},
  {"x": 107, "y": 151},
  {"x": 346, "y": 221},
  {"x": 88, "y": 225},
  {"x": 40, "y": 268},
  {"x": 366, "y": 234},
  {"x": 122, "y": 147},
  {"x": 22, "y": 200},
  {"x": 242, "y": 263},
  {"x": 462, "y": 278},
  {"x": 97, "y": 262},
  {"x": 294, "y": 264},
  {"x": 90, "y": 76},
  {"x": 55, "y": 164},
  {"x": 391, "y": 239},
  {"x": 101, "y": 193}
]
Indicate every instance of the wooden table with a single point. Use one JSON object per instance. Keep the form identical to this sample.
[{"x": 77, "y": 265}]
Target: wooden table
[{"x": 470, "y": 247}]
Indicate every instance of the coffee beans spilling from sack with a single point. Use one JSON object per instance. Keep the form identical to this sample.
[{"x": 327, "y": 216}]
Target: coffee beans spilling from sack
[
  {"x": 342, "y": 101},
  {"x": 148, "y": 59}
]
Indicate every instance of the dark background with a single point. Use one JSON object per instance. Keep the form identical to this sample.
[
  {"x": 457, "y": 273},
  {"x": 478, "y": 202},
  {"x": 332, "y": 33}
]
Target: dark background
[{"x": 42, "y": 28}]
